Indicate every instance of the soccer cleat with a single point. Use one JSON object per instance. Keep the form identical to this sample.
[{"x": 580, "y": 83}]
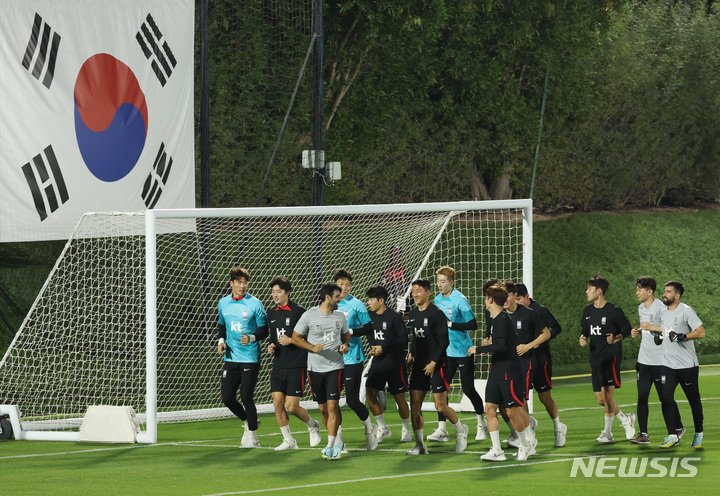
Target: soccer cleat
[
  {"x": 671, "y": 441},
  {"x": 523, "y": 453},
  {"x": 482, "y": 432},
  {"x": 628, "y": 423},
  {"x": 418, "y": 450},
  {"x": 494, "y": 455},
  {"x": 680, "y": 432},
  {"x": 697, "y": 440},
  {"x": 343, "y": 449},
  {"x": 641, "y": 438},
  {"x": 327, "y": 453},
  {"x": 533, "y": 423},
  {"x": 605, "y": 438},
  {"x": 371, "y": 438},
  {"x": 560, "y": 435},
  {"x": 337, "y": 451},
  {"x": 439, "y": 436},
  {"x": 406, "y": 436},
  {"x": 314, "y": 432},
  {"x": 383, "y": 433},
  {"x": 461, "y": 438},
  {"x": 286, "y": 445},
  {"x": 513, "y": 441}
]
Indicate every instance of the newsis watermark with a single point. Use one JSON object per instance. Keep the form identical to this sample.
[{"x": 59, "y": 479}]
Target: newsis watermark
[{"x": 631, "y": 466}]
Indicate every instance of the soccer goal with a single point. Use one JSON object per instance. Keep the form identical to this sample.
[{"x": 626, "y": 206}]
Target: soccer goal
[{"x": 128, "y": 315}]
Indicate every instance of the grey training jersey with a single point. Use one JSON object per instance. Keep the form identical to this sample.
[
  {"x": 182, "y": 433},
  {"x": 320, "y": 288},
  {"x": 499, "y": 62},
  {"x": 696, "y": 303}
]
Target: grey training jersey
[
  {"x": 682, "y": 320},
  {"x": 650, "y": 353},
  {"x": 319, "y": 327}
]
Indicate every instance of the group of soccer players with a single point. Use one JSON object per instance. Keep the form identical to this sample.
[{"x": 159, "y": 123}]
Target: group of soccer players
[
  {"x": 325, "y": 342},
  {"x": 666, "y": 357}
]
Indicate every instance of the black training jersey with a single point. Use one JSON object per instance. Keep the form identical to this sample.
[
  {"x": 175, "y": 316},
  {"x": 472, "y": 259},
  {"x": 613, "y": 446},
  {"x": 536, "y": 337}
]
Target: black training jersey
[
  {"x": 430, "y": 335},
  {"x": 597, "y": 323},
  {"x": 550, "y": 322},
  {"x": 527, "y": 325},
  {"x": 503, "y": 346},
  {"x": 281, "y": 321},
  {"x": 389, "y": 332}
]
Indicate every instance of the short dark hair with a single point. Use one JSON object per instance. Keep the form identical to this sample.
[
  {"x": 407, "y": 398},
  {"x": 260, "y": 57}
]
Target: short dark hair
[
  {"x": 677, "y": 287},
  {"x": 342, "y": 274},
  {"x": 599, "y": 282},
  {"x": 647, "y": 282},
  {"x": 423, "y": 283},
  {"x": 238, "y": 272},
  {"x": 377, "y": 292},
  {"x": 498, "y": 294},
  {"x": 509, "y": 286},
  {"x": 328, "y": 289},
  {"x": 490, "y": 282},
  {"x": 283, "y": 282},
  {"x": 521, "y": 289}
]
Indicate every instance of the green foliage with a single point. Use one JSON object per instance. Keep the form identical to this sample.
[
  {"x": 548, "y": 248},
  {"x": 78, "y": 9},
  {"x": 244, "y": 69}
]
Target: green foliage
[{"x": 639, "y": 125}]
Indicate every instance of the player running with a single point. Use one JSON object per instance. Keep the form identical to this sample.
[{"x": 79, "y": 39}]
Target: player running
[
  {"x": 460, "y": 320},
  {"x": 241, "y": 325},
  {"x": 427, "y": 356},
  {"x": 287, "y": 377},
  {"x": 605, "y": 325}
]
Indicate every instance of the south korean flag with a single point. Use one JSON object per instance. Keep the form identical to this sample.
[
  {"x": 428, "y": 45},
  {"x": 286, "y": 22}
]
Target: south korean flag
[{"x": 96, "y": 111}]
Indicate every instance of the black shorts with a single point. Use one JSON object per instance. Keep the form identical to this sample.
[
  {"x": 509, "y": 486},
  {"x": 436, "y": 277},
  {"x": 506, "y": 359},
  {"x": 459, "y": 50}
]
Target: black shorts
[
  {"x": 528, "y": 375},
  {"x": 326, "y": 386},
  {"x": 542, "y": 380},
  {"x": 605, "y": 373},
  {"x": 420, "y": 382},
  {"x": 507, "y": 393},
  {"x": 390, "y": 370},
  {"x": 290, "y": 382}
]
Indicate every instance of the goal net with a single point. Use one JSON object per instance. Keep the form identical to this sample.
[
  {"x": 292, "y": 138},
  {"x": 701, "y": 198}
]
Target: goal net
[{"x": 128, "y": 315}]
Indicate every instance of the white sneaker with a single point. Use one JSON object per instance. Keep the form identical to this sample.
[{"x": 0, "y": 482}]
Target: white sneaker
[
  {"x": 482, "y": 433},
  {"x": 439, "y": 436},
  {"x": 251, "y": 441},
  {"x": 531, "y": 448},
  {"x": 560, "y": 435},
  {"x": 286, "y": 445},
  {"x": 371, "y": 438},
  {"x": 605, "y": 438},
  {"x": 406, "y": 435},
  {"x": 314, "y": 432},
  {"x": 418, "y": 450},
  {"x": 628, "y": 423},
  {"x": 533, "y": 423},
  {"x": 494, "y": 455},
  {"x": 461, "y": 438},
  {"x": 383, "y": 434},
  {"x": 523, "y": 453},
  {"x": 513, "y": 441}
]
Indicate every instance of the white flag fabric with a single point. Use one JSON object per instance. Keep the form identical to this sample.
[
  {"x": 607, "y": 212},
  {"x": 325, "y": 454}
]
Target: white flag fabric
[{"x": 96, "y": 111}]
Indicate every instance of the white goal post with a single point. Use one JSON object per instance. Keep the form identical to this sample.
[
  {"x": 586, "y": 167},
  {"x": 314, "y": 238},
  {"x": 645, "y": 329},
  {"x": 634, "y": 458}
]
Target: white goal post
[{"x": 128, "y": 315}]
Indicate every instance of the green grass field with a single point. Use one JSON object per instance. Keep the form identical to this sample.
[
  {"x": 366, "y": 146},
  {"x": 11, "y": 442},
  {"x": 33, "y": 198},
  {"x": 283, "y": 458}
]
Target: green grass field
[{"x": 203, "y": 459}]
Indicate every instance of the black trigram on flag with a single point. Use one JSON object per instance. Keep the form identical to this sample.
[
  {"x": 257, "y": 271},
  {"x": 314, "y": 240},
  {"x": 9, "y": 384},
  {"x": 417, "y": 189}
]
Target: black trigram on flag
[
  {"x": 149, "y": 38},
  {"x": 49, "y": 187},
  {"x": 161, "y": 170},
  {"x": 43, "y": 60}
]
